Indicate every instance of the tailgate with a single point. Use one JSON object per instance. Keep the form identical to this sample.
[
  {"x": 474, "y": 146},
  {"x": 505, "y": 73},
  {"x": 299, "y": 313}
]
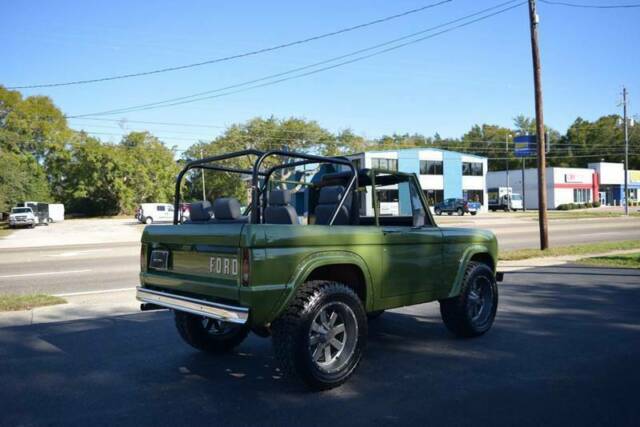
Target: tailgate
[{"x": 200, "y": 260}]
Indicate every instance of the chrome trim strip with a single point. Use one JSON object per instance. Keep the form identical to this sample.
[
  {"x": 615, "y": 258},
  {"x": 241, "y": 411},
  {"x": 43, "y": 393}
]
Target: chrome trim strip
[{"x": 213, "y": 310}]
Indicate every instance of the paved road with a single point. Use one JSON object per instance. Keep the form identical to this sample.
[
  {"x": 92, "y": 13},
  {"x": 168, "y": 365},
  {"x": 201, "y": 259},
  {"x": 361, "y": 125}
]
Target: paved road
[
  {"x": 564, "y": 351},
  {"x": 80, "y": 268},
  {"x": 65, "y": 269}
]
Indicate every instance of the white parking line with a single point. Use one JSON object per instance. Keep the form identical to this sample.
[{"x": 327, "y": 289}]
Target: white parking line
[
  {"x": 106, "y": 291},
  {"x": 44, "y": 274},
  {"x": 76, "y": 253}
]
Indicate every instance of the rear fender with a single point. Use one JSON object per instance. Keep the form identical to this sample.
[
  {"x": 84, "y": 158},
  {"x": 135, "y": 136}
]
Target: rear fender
[{"x": 321, "y": 259}]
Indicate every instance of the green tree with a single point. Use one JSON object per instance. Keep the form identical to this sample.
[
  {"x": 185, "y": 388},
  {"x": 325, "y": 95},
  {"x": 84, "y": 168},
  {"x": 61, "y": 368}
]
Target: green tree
[{"x": 21, "y": 179}]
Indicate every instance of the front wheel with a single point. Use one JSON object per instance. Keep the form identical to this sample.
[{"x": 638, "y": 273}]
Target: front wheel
[
  {"x": 321, "y": 336},
  {"x": 474, "y": 213},
  {"x": 210, "y": 335},
  {"x": 148, "y": 220},
  {"x": 473, "y": 311}
]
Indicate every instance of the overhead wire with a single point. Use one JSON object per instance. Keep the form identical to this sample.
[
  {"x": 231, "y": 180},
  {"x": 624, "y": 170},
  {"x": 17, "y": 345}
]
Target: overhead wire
[
  {"x": 237, "y": 56},
  {"x": 197, "y": 97},
  {"x": 590, "y": 6}
]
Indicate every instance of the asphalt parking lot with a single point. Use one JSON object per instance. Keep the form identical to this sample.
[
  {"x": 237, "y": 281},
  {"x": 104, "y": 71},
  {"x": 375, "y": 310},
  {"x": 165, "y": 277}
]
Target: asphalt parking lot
[{"x": 564, "y": 351}]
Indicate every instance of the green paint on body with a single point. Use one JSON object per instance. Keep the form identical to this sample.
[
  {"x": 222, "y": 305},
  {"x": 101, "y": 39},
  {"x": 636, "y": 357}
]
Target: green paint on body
[{"x": 395, "y": 265}]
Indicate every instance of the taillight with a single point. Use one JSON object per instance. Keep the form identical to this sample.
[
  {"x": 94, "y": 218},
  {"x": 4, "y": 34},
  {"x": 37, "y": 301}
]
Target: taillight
[
  {"x": 246, "y": 266},
  {"x": 143, "y": 258}
]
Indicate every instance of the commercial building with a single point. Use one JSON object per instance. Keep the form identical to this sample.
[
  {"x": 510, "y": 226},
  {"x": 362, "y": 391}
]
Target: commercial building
[
  {"x": 443, "y": 174},
  {"x": 611, "y": 180},
  {"x": 564, "y": 185}
]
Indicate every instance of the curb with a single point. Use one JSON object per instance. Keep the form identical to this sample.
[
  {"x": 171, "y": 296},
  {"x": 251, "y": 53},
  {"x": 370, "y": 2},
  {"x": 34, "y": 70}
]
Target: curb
[
  {"x": 522, "y": 264},
  {"x": 79, "y": 306}
]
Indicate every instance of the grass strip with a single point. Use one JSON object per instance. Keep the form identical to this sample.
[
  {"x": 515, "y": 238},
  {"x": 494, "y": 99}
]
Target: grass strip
[
  {"x": 617, "y": 261},
  {"x": 27, "y": 302},
  {"x": 583, "y": 249}
]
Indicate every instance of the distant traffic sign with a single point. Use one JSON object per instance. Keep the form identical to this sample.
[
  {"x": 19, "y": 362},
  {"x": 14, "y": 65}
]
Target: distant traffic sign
[{"x": 525, "y": 145}]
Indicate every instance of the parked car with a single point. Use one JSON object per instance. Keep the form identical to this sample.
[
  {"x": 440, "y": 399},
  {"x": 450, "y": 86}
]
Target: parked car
[
  {"x": 313, "y": 285},
  {"x": 458, "y": 206},
  {"x": 22, "y": 217},
  {"x": 148, "y": 213}
]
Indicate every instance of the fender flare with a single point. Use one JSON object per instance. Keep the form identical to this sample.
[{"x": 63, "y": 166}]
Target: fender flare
[
  {"x": 464, "y": 261},
  {"x": 321, "y": 259}
]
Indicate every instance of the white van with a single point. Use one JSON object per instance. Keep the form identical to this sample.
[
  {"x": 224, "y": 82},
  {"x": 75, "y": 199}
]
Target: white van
[{"x": 148, "y": 213}]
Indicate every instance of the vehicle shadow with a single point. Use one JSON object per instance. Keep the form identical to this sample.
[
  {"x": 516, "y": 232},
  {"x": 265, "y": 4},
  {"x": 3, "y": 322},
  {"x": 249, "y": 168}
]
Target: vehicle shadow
[{"x": 560, "y": 344}]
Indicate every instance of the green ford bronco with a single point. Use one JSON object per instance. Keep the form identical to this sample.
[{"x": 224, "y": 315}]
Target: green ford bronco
[{"x": 311, "y": 261}]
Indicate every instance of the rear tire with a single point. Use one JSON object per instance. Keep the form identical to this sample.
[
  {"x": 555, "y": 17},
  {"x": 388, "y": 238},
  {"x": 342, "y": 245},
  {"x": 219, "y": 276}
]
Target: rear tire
[
  {"x": 212, "y": 336},
  {"x": 321, "y": 336},
  {"x": 473, "y": 311}
]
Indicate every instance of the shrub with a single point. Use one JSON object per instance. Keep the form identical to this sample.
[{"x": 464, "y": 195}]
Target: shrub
[
  {"x": 596, "y": 204},
  {"x": 588, "y": 205}
]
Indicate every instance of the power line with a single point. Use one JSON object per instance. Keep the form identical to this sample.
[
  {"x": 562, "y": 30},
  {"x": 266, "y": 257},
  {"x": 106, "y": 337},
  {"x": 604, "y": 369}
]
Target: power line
[
  {"x": 197, "y": 97},
  {"x": 590, "y": 6},
  {"x": 240, "y": 55}
]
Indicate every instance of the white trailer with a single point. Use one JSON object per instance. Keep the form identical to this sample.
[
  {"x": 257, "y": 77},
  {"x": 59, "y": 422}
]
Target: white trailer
[{"x": 56, "y": 212}]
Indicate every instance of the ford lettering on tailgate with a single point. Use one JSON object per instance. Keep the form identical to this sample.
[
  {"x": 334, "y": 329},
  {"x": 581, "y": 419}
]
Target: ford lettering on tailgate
[{"x": 224, "y": 266}]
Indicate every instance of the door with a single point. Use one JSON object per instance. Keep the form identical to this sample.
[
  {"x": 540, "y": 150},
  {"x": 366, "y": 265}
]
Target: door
[
  {"x": 603, "y": 198},
  {"x": 411, "y": 254}
]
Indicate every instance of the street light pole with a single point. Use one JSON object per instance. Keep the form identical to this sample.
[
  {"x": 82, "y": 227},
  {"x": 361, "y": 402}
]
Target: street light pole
[
  {"x": 626, "y": 151},
  {"x": 542, "y": 163}
]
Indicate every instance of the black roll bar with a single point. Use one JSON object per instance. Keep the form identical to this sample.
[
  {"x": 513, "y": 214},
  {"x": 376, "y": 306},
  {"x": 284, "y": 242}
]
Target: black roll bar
[
  {"x": 203, "y": 164},
  {"x": 307, "y": 159},
  {"x": 256, "y": 174}
]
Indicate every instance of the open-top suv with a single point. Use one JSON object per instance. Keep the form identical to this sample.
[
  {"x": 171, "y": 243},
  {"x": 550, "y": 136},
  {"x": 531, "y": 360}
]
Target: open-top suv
[{"x": 305, "y": 265}]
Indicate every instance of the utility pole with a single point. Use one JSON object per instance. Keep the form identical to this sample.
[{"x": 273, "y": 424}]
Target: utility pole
[
  {"x": 204, "y": 196},
  {"x": 542, "y": 166},
  {"x": 506, "y": 152},
  {"x": 626, "y": 151},
  {"x": 524, "y": 192}
]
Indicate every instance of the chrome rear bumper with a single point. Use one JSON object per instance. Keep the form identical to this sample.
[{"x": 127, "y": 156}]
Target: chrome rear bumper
[{"x": 210, "y": 309}]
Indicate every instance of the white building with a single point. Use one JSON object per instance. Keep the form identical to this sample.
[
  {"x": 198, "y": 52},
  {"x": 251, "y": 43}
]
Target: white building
[
  {"x": 611, "y": 183},
  {"x": 564, "y": 185}
]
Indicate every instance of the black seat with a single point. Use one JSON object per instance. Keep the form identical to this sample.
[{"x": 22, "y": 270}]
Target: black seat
[
  {"x": 328, "y": 202},
  {"x": 227, "y": 210},
  {"x": 200, "y": 212},
  {"x": 279, "y": 210}
]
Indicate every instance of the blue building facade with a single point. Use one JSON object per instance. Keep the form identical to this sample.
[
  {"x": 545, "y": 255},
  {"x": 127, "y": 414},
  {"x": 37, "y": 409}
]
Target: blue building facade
[{"x": 443, "y": 174}]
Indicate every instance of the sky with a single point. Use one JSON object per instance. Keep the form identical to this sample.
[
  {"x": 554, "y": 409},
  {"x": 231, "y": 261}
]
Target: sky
[{"x": 481, "y": 73}]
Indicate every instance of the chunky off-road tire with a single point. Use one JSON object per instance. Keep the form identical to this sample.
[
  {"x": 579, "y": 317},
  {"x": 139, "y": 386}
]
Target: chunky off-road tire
[
  {"x": 207, "y": 334},
  {"x": 321, "y": 315},
  {"x": 373, "y": 315},
  {"x": 472, "y": 313}
]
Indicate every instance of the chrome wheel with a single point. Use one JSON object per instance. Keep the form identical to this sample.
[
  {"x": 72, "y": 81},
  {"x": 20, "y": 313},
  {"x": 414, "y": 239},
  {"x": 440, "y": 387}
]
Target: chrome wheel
[
  {"x": 333, "y": 337},
  {"x": 480, "y": 300}
]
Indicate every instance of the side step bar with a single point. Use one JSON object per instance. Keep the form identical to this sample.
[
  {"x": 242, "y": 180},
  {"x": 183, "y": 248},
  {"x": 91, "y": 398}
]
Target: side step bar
[{"x": 210, "y": 309}]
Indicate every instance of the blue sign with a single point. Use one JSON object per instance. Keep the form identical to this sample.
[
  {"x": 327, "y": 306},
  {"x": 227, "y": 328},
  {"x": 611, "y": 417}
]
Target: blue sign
[{"x": 525, "y": 145}]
